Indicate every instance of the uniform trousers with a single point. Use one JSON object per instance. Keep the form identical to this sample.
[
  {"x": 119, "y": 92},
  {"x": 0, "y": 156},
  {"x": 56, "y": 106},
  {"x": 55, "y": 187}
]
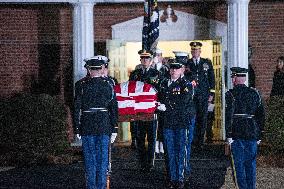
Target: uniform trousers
[
  {"x": 95, "y": 150},
  {"x": 209, "y": 131},
  {"x": 133, "y": 130},
  {"x": 174, "y": 142},
  {"x": 189, "y": 136},
  {"x": 201, "y": 104},
  {"x": 146, "y": 155},
  {"x": 244, "y": 155}
]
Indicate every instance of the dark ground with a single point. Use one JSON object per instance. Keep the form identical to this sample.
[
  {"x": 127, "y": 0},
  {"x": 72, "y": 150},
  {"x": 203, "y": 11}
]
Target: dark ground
[{"x": 208, "y": 172}]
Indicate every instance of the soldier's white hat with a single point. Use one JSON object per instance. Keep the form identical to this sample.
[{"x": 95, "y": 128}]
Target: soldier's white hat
[{"x": 180, "y": 53}]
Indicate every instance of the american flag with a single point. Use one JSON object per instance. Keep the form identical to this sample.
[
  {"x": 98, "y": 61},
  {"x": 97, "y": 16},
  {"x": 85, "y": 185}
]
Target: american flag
[
  {"x": 135, "y": 97},
  {"x": 150, "y": 32}
]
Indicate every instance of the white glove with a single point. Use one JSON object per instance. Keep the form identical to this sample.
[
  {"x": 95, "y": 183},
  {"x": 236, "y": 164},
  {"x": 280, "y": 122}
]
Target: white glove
[
  {"x": 78, "y": 136},
  {"x": 258, "y": 142},
  {"x": 161, "y": 107},
  {"x": 230, "y": 141},
  {"x": 155, "y": 60},
  {"x": 113, "y": 137}
]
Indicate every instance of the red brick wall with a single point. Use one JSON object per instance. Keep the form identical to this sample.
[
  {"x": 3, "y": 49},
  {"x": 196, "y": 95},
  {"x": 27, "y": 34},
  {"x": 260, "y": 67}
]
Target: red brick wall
[
  {"x": 24, "y": 28},
  {"x": 106, "y": 15},
  {"x": 18, "y": 49},
  {"x": 266, "y": 34}
]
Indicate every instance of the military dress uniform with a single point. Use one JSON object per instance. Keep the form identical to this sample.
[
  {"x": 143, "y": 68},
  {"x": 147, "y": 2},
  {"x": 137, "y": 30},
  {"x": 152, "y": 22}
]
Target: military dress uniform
[
  {"x": 176, "y": 96},
  {"x": 150, "y": 76},
  {"x": 164, "y": 72},
  {"x": 244, "y": 122},
  {"x": 203, "y": 73},
  {"x": 182, "y": 57},
  {"x": 95, "y": 118}
]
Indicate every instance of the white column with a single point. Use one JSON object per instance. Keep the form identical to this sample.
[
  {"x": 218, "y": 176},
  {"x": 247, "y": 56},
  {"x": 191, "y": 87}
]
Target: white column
[
  {"x": 83, "y": 36},
  {"x": 237, "y": 34}
]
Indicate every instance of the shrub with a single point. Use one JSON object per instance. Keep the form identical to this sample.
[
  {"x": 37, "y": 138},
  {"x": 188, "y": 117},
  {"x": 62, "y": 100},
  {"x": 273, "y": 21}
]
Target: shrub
[
  {"x": 32, "y": 128},
  {"x": 274, "y": 127}
]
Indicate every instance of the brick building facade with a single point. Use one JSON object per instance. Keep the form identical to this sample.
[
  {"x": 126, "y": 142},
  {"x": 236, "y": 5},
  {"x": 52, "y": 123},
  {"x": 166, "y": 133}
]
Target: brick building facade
[{"x": 36, "y": 41}]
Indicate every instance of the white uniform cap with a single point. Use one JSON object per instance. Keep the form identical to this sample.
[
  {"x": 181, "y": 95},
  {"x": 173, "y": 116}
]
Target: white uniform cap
[
  {"x": 98, "y": 57},
  {"x": 180, "y": 53}
]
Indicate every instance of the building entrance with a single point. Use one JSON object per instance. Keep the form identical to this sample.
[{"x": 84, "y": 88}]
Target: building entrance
[{"x": 124, "y": 57}]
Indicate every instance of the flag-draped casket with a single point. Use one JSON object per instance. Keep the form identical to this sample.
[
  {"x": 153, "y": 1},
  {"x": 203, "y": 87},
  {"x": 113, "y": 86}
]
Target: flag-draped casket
[{"x": 136, "y": 100}]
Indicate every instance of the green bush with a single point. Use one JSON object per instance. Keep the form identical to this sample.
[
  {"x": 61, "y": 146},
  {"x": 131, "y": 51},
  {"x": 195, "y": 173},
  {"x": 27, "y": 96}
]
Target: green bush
[
  {"x": 33, "y": 127},
  {"x": 274, "y": 127}
]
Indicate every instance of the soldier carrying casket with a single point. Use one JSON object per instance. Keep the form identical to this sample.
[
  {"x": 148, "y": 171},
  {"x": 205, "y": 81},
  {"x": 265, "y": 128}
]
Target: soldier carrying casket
[
  {"x": 175, "y": 96},
  {"x": 149, "y": 75}
]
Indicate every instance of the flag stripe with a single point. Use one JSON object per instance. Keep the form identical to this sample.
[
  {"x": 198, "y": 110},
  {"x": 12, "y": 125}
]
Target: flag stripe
[{"x": 135, "y": 97}]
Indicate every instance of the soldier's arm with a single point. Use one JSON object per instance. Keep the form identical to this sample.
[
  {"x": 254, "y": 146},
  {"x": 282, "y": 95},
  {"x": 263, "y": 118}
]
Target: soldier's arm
[
  {"x": 186, "y": 95},
  {"x": 211, "y": 78},
  {"x": 163, "y": 98},
  {"x": 229, "y": 111},
  {"x": 113, "y": 112},
  {"x": 77, "y": 107},
  {"x": 133, "y": 75},
  {"x": 154, "y": 79},
  {"x": 260, "y": 115}
]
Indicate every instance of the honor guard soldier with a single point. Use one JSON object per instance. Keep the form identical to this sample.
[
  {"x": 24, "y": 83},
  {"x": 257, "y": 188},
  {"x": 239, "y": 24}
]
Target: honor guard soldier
[
  {"x": 164, "y": 72},
  {"x": 244, "y": 122},
  {"x": 175, "y": 95},
  {"x": 159, "y": 64},
  {"x": 95, "y": 119},
  {"x": 182, "y": 57},
  {"x": 148, "y": 75},
  {"x": 203, "y": 73}
]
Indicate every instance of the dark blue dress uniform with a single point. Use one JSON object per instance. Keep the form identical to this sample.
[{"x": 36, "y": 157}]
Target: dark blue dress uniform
[
  {"x": 244, "y": 122},
  {"x": 203, "y": 73},
  {"x": 177, "y": 97},
  {"x": 182, "y": 57},
  {"x": 164, "y": 72},
  {"x": 95, "y": 118},
  {"x": 150, "y": 76}
]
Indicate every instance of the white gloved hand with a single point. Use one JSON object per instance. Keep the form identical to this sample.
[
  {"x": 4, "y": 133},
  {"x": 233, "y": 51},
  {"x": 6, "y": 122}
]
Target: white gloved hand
[
  {"x": 230, "y": 141},
  {"x": 258, "y": 142},
  {"x": 155, "y": 60},
  {"x": 78, "y": 136},
  {"x": 161, "y": 107},
  {"x": 113, "y": 137}
]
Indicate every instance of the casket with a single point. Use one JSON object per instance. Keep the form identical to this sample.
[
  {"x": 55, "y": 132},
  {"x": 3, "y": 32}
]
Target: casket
[{"x": 136, "y": 101}]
